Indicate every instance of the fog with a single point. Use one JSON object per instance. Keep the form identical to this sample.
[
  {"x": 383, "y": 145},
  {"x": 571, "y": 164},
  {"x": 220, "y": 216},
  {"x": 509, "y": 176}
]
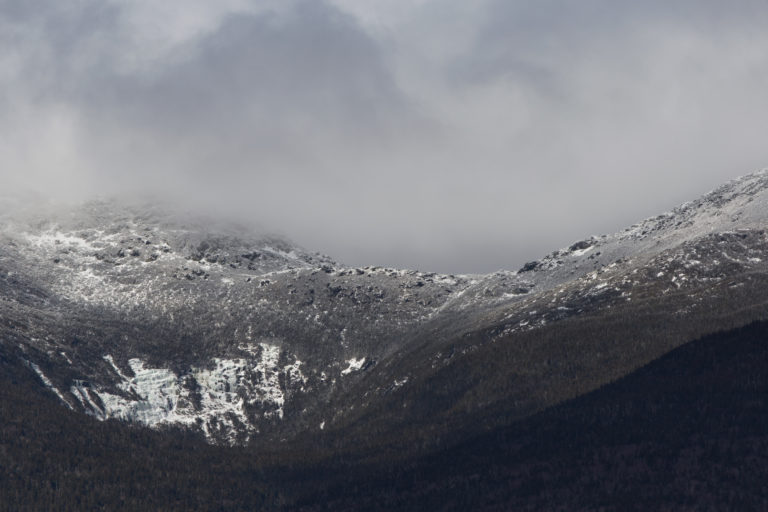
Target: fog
[{"x": 434, "y": 134}]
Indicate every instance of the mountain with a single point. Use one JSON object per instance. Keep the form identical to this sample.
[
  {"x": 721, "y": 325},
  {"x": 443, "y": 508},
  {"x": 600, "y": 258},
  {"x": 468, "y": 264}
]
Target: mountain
[
  {"x": 122, "y": 314},
  {"x": 116, "y": 311}
]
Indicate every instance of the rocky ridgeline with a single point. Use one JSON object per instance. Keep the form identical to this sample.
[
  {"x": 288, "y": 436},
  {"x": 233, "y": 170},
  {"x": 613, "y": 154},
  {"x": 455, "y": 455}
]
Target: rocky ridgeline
[{"x": 133, "y": 314}]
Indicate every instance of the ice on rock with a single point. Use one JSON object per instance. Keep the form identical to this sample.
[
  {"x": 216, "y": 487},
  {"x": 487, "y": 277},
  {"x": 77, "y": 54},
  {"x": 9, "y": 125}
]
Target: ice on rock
[{"x": 203, "y": 396}]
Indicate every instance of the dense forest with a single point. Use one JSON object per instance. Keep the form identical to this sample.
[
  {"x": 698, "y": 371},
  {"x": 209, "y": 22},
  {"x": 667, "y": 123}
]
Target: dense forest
[{"x": 686, "y": 432}]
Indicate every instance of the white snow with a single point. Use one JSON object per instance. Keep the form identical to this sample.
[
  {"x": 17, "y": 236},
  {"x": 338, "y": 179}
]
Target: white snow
[
  {"x": 49, "y": 384},
  {"x": 400, "y": 383},
  {"x": 157, "y": 396},
  {"x": 294, "y": 375},
  {"x": 108, "y": 358},
  {"x": 80, "y": 276},
  {"x": 81, "y": 393},
  {"x": 59, "y": 240},
  {"x": 582, "y": 252},
  {"x": 268, "y": 389},
  {"x": 353, "y": 365}
]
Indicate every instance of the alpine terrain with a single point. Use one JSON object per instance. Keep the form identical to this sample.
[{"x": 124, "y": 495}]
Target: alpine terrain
[{"x": 292, "y": 381}]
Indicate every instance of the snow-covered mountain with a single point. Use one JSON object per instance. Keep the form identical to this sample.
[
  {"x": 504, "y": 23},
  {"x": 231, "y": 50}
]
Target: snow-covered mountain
[{"x": 132, "y": 313}]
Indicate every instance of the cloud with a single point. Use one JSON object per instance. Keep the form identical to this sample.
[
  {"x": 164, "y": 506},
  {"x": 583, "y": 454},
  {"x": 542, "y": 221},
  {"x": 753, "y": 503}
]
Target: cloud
[
  {"x": 256, "y": 92},
  {"x": 438, "y": 134}
]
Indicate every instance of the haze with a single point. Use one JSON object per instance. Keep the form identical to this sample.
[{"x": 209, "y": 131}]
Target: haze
[{"x": 442, "y": 135}]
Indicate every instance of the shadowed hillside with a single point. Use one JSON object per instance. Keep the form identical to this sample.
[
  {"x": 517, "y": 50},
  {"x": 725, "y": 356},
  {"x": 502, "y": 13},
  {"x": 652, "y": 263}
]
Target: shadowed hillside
[{"x": 686, "y": 432}]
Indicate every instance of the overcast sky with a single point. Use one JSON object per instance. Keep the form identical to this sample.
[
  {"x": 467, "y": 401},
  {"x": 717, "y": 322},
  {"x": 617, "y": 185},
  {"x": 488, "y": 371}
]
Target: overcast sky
[{"x": 442, "y": 135}]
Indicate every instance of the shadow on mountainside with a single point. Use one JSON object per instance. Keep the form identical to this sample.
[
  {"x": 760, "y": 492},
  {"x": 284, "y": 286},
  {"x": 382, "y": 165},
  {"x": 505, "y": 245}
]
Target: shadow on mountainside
[{"x": 686, "y": 432}]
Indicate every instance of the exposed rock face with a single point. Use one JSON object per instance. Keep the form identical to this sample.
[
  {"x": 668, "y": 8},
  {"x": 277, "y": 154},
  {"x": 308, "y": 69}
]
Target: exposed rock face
[{"x": 130, "y": 314}]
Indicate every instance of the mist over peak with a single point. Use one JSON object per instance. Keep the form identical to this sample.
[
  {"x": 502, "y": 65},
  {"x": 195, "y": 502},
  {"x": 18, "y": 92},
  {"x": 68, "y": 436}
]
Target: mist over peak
[{"x": 425, "y": 134}]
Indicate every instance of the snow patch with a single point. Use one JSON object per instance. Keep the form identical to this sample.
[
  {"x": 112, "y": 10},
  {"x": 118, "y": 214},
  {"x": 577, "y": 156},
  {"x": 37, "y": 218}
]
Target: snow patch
[
  {"x": 399, "y": 383},
  {"x": 220, "y": 399},
  {"x": 582, "y": 252},
  {"x": 48, "y": 383},
  {"x": 353, "y": 365}
]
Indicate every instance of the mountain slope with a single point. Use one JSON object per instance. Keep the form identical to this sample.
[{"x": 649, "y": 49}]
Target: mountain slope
[
  {"x": 685, "y": 432},
  {"x": 131, "y": 313}
]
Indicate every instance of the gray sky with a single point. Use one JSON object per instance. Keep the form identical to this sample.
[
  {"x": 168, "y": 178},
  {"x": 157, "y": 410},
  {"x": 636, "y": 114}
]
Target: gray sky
[{"x": 443, "y": 135}]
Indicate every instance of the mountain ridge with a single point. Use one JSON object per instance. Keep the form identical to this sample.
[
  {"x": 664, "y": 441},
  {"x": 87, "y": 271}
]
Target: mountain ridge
[{"x": 249, "y": 339}]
